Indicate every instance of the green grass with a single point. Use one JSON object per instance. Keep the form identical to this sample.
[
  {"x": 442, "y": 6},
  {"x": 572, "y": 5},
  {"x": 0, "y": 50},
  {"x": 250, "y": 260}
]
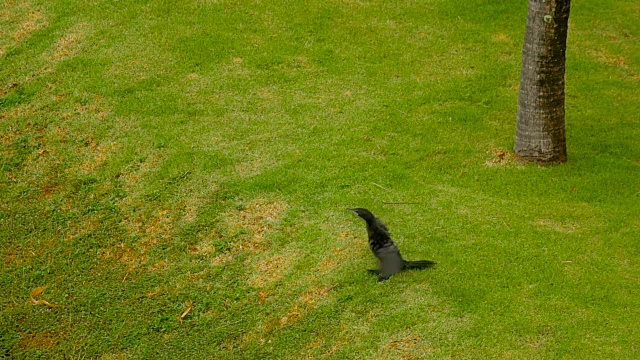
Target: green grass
[{"x": 158, "y": 156}]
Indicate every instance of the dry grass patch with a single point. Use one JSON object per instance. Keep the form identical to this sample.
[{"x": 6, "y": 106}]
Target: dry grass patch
[
  {"x": 159, "y": 228},
  {"x": 254, "y": 166},
  {"x": 22, "y": 20},
  {"x": 81, "y": 226},
  {"x": 263, "y": 296},
  {"x": 96, "y": 154},
  {"x": 557, "y": 226},
  {"x": 407, "y": 347},
  {"x": 150, "y": 230},
  {"x": 609, "y": 59},
  {"x": 125, "y": 254},
  {"x": 34, "y": 20},
  {"x": 500, "y": 37},
  {"x": 133, "y": 174},
  {"x": 68, "y": 45},
  {"x": 221, "y": 259},
  {"x": 501, "y": 157},
  {"x": 354, "y": 248},
  {"x": 257, "y": 219},
  {"x": 270, "y": 269},
  {"x": 44, "y": 340},
  {"x": 306, "y": 302}
]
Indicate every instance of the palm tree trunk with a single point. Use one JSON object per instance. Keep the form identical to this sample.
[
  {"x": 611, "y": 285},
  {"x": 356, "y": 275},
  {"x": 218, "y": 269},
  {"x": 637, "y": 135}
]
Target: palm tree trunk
[{"x": 540, "y": 129}]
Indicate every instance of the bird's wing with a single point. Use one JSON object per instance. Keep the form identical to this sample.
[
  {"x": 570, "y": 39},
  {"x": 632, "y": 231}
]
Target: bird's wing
[{"x": 382, "y": 227}]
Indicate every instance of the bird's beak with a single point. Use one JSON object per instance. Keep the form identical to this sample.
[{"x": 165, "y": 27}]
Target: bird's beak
[{"x": 353, "y": 211}]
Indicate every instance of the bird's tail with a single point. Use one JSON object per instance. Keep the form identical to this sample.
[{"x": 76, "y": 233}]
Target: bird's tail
[{"x": 420, "y": 264}]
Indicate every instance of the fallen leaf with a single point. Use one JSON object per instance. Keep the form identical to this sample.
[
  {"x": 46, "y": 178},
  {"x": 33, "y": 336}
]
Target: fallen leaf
[
  {"x": 44, "y": 302},
  {"x": 37, "y": 292},
  {"x": 186, "y": 312}
]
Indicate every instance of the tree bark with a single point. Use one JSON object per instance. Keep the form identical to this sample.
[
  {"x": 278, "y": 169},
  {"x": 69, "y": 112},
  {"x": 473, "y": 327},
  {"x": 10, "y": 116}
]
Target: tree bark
[{"x": 540, "y": 129}]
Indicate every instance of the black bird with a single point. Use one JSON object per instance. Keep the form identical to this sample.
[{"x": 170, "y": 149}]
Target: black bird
[{"x": 391, "y": 262}]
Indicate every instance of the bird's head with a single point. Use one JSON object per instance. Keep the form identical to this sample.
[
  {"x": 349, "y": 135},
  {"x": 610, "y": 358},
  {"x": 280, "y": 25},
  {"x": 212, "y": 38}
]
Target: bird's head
[{"x": 363, "y": 213}]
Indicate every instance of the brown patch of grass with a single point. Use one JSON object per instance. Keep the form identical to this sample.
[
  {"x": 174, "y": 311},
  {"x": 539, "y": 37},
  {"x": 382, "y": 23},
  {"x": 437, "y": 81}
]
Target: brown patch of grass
[
  {"x": 315, "y": 343},
  {"x": 67, "y": 46},
  {"x": 327, "y": 264},
  {"x": 306, "y": 302},
  {"x": 257, "y": 219},
  {"x": 190, "y": 213},
  {"x": 221, "y": 259},
  {"x": 270, "y": 270},
  {"x": 125, "y": 254},
  {"x": 34, "y": 20},
  {"x": 14, "y": 255},
  {"x": 500, "y": 37},
  {"x": 293, "y": 315},
  {"x": 609, "y": 59},
  {"x": 204, "y": 247},
  {"x": 338, "y": 345},
  {"x": 48, "y": 189},
  {"x": 158, "y": 228},
  {"x": 135, "y": 173},
  {"x": 501, "y": 157},
  {"x": 198, "y": 275},
  {"x": 407, "y": 347},
  {"x": 119, "y": 356},
  {"x": 313, "y": 294},
  {"x": 340, "y": 255},
  {"x": 263, "y": 296},
  {"x": 255, "y": 165},
  {"x": 557, "y": 226},
  {"x": 81, "y": 226},
  {"x": 22, "y": 111},
  {"x": 161, "y": 265},
  {"x": 41, "y": 339}
]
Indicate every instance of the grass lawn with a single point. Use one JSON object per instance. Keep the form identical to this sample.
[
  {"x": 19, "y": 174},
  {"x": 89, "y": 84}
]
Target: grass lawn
[{"x": 177, "y": 174}]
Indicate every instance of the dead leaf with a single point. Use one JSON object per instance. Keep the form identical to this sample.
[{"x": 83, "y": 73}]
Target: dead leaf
[
  {"x": 186, "y": 312},
  {"x": 44, "y": 302},
  {"x": 37, "y": 292}
]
